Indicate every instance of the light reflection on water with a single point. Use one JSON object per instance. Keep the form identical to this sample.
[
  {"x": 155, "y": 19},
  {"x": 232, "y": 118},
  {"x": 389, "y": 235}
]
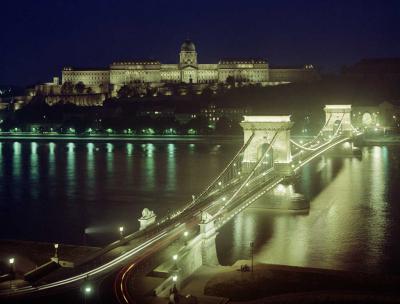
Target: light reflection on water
[
  {"x": 34, "y": 170},
  {"x": 353, "y": 222},
  {"x": 70, "y": 170},
  {"x": 95, "y": 187}
]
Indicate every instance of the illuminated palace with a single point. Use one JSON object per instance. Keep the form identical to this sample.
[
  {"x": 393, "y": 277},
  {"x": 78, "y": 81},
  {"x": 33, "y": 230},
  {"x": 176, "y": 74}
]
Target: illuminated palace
[{"x": 188, "y": 70}]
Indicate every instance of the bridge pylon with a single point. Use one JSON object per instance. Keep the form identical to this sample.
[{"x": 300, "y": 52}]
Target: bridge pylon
[
  {"x": 268, "y": 131},
  {"x": 336, "y": 115}
]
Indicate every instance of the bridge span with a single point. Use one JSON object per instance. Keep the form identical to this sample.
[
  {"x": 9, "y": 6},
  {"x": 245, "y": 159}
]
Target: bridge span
[{"x": 268, "y": 156}]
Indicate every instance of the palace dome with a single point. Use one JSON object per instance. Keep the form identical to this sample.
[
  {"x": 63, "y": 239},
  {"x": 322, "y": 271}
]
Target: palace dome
[{"x": 188, "y": 46}]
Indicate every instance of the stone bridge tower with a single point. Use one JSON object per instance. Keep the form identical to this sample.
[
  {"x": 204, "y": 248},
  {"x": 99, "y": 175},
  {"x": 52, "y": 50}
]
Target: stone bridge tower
[
  {"x": 264, "y": 129},
  {"x": 333, "y": 115}
]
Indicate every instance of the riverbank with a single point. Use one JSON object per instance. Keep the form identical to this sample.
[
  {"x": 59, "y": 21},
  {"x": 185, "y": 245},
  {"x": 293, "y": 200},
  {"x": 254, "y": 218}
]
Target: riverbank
[
  {"x": 30, "y": 255},
  {"x": 287, "y": 284},
  {"x": 130, "y": 138},
  {"x": 381, "y": 141}
]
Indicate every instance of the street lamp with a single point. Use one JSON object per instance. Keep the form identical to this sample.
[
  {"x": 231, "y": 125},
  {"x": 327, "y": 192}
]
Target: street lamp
[
  {"x": 185, "y": 235},
  {"x": 56, "y": 250},
  {"x": 12, "y": 263},
  {"x": 121, "y": 231},
  {"x": 175, "y": 257},
  {"x": 174, "y": 278},
  {"x": 87, "y": 290}
]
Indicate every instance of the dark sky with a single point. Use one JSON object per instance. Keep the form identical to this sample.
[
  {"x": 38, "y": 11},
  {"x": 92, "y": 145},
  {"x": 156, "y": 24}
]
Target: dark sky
[{"x": 39, "y": 37}]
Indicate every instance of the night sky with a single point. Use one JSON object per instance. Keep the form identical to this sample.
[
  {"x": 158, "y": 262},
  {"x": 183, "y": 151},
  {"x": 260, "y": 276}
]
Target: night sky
[{"x": 39, "y": 37}]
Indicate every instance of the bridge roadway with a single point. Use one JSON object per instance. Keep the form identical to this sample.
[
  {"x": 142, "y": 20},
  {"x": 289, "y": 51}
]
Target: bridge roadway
[
  {"x": 259, "y": 186},
  {"x": 136, "y": 247},
  {"x": 123, "y": 251}
]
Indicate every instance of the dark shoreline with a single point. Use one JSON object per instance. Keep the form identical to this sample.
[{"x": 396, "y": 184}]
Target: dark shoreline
[{"x": 129, "y": 138}]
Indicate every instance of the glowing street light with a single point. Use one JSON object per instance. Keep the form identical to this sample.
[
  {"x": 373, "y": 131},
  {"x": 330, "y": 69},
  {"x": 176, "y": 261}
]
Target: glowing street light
[
  {"x": 121, "y": 231},
  {"x": 174, "y": 278},
  {"x": 87, "y": 290},
  {"x": 175, "y": 257},
  {"x": 12, "y": 263},
  {"x": 56, "y": 250}
]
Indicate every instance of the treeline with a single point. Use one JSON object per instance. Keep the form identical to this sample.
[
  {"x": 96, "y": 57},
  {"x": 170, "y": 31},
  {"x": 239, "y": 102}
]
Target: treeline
[
  {"x": 304, "y": 101},
  {"x": 116, "y": 116}
]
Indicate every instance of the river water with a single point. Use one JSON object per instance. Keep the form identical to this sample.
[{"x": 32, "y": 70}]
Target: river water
[{"x": 81, "y": 192}]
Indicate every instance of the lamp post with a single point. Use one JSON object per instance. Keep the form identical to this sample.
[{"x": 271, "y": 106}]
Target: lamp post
[
  {"x": 121, "y": 231},
  {"x": 56, "y": 251},
  {"x": 175, "y": 257},
  {"x": 185, "y": 235},
  {"x": 87, "y": 290},
  {"x": 12, "y": 268}
]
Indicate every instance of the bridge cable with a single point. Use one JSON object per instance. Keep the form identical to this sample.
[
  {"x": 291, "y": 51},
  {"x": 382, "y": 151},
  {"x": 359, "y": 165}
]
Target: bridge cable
[
  {"x": 216, "y": 180},
  {"x": 250, "y": 175}
]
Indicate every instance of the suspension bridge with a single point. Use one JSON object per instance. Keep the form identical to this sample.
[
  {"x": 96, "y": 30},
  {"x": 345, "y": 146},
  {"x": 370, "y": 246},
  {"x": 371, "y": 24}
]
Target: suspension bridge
[{"x": 268, "y": 156}]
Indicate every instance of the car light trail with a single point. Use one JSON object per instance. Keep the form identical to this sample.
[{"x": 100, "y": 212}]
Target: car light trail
[{"x": 94, "y": 271}]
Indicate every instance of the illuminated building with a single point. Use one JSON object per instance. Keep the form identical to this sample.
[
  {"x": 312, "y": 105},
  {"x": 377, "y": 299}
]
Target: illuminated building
[{"x": 153, "y": 73}]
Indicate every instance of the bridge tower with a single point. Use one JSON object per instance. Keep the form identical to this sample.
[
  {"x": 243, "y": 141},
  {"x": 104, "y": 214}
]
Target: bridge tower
[
  {"x": 334, "y": 114},
  {"x": 264, "y": 129}
]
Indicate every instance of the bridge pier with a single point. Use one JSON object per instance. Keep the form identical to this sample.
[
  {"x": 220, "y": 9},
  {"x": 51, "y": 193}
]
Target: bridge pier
[
  {"x": 268, "y": 131},
  {"x": 208, "y": 244},
  {"x": 198, "y": 251}
]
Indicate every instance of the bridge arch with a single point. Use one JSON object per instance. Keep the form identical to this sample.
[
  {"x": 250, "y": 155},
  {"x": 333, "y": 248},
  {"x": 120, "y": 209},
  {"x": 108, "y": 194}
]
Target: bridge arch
[
  {"x": 337, "y": 113},
  {"x": 269, "y": 132}
]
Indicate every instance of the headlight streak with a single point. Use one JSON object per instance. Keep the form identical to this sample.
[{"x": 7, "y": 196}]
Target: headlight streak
[{"x": 95, "y": 271}]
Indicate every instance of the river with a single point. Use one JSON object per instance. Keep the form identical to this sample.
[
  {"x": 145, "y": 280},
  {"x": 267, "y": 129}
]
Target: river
[{"x": 81, "y": 192}]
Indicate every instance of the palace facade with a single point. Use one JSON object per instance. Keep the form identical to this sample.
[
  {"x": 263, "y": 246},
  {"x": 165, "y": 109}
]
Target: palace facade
[{"x": 188, "y": 71}]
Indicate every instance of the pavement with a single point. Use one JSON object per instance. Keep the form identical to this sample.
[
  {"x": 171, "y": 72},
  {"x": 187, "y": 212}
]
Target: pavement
[{"x": 195, "y": 284}]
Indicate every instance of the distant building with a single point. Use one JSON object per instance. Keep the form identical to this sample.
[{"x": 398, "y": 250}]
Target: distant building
[
  {"x": 385, "y": 115},
  {"x": 214, "y": 113},
  {"x": 278, "y": 75},
  {"x": 154, "y": 74}
]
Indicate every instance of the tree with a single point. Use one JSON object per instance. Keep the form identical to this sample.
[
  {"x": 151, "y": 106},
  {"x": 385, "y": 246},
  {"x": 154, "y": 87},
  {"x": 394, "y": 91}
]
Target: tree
[
  {"x": 200, "y": 124},
  {"x": 67, "y": 87},
  {"x": 207, "y": 92},
  {"x": 124, "y": 91},
  {"x": 80, "y": 87},
  {"x": 230, "y": 80}
]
